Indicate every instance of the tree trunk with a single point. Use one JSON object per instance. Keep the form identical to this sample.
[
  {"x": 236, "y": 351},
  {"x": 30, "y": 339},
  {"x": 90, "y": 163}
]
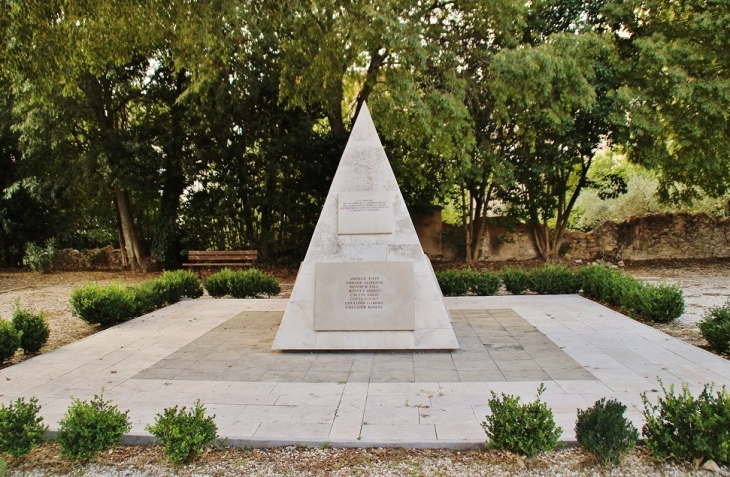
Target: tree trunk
[
  {"x": 137, "y": 259},
  {"x": 167, "y": 241}
]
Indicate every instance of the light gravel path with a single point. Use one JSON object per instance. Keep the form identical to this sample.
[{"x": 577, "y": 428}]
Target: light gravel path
[{"x": 705, "y": 285}]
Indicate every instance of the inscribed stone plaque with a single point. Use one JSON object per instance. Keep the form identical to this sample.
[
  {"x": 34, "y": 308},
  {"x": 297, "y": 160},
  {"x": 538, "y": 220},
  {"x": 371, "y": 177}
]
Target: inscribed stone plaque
[
  {"x": 368, "y": 212},
  {"x": 364, "y": 296}
]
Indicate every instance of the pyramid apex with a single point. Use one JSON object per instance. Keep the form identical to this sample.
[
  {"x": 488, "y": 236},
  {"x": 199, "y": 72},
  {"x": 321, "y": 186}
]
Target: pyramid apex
[{"x": 364, "y": 128}]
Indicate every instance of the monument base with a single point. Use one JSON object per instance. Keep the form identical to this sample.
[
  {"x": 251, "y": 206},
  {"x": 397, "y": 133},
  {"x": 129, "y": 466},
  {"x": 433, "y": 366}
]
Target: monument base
[{"x": 365, "y": 340}]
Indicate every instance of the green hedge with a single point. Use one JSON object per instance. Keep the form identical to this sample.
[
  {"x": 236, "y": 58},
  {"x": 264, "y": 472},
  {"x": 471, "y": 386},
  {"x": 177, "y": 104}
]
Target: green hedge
[
  {"x": 461, "y": 282},
  {"x": 251, "y": 283},
  {"x": 554, "y": 280},
  {"x": 655, "y": 303},
  {"x": 33, "y": 328},
  {"x": 116, "y": 303},
  {"x": 715, "y": 327},
  {"x": 516, "y": 280},
  {"x": 658, "y": 303}
]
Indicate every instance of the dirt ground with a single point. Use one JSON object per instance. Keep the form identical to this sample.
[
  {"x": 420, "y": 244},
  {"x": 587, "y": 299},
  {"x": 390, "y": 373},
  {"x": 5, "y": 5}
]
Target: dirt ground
[
  {"x": 50, "y": 293},
  {"x": 705, "y": 284}
]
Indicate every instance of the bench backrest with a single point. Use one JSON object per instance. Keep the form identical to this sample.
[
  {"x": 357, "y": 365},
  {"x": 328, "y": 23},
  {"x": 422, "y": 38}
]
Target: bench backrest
[{"x": 223, "y": 255}]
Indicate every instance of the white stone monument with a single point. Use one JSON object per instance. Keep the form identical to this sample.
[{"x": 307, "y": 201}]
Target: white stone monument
[{"x": 365, "y": 282}]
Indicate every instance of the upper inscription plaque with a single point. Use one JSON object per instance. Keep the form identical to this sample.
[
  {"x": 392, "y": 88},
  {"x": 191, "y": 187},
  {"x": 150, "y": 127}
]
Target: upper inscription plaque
[
  {"x": 364, "y": 296},
  {"x": 365, "y": 212}
]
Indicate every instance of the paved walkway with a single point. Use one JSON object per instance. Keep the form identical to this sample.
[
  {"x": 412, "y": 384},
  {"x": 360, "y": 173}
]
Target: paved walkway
[{"x": 218, "y": 351}]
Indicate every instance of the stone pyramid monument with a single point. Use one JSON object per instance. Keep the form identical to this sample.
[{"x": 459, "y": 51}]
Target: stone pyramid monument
[{"x": 365, "y": 282}]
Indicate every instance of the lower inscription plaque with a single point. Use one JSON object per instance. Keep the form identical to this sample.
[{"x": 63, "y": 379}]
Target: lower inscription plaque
[{"x": 364, "y": 296}]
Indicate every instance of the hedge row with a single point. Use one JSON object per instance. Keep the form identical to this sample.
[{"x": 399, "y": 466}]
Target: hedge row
[
  {"x": 115, "y": 303},
  {"x": 657, "y": 303}
]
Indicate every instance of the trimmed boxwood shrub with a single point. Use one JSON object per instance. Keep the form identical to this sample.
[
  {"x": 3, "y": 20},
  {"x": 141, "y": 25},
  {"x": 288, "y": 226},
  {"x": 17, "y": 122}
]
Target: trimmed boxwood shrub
[
  {"x": 659, "y": 303},
  {"x": 115, "y": 303},
  {"x": 688, "y": 428},
  {"x": 461, "y": 282},
  {"x": 715, "y": 327},
  {"x": 148, "y": 296},
  {"x": 526, "y": 429},
  {"x": 91, "y": 427},
  {"x": 106, "y": 305},
  {"x": 485, "y": 283},
  {"x": 21, "y": 428},
  {"x": 33, "y": 329},
  {"x": 9, "y": 340},
  {"x": 454, "y": 282},
  {"x": 184, "y": 434},
  {"x": 251, "y": 283},
  {"x": 554, "y": 280},
  {"x": 605, "y": 432},
  {"x": 516, "y": 280},
  {"x": 609, "y": 286},
  {"x": 174, "y": 285}
]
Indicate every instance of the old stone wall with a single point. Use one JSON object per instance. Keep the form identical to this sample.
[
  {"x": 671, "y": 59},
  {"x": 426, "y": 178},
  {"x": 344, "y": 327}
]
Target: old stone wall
[
  {"x": 660, "y": 236},
  {"x": 107, "y": 258}
]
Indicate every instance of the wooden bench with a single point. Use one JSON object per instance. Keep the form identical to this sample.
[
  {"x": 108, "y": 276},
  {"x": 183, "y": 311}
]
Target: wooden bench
[{"x": 221, "y": 258}]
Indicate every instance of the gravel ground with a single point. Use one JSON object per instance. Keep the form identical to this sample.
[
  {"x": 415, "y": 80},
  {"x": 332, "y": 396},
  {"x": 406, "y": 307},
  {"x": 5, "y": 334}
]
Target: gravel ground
[
  {"x": 149, "y": 461},
  {"x": 704, "y": 284}
]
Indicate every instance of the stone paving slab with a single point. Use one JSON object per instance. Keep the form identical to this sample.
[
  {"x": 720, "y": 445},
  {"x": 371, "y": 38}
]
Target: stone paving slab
[
  {"x": 200, "y": 349},
  {"x": 497, "y": 345}
]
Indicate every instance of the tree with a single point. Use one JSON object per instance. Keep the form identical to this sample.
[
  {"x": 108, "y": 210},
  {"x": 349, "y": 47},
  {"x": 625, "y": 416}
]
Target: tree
[
  {"x": 677, "y": 58},
  {"x": 336, "y": 56},
  {"x": 543, "y": 100}
]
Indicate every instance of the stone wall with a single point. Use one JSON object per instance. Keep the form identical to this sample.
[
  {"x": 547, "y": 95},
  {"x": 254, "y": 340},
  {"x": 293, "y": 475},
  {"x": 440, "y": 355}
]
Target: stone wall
[
  {"x": 660, "y": 236},
  {"x": 429, "y": 228},
  {"x": 107, "y": 258}
]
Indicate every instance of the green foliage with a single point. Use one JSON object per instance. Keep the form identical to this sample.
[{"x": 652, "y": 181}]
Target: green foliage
[
  {"x": 4, "y": 468},
  {"x": 610, "y": 286},
  {"x": 32, "y": 327},
  {"x": 526, "y": 429},
  {"x": 659, "y": 303},
  {"x": 40, "y": 258},
  {"x": 715, "y": 327},
  {"x": 676, "y": 63},
  {"x": 21, "y": 428},
  {"x": 641, "y": 197},
  {"x": 146, "y": 297},
  {"x": 179, "y": 284},
  {"x": 184, "y": 434},
  {"x": 454, "y": 282},
  {"x": 91, "y": 427},
  {"x": 688, "y": 428},
  {"x": 251, "y": 283},
  {"x": 9, "y": 340},
  {"x": 516, "y": 280},
  {"x": 554, "y": 280},
  {"x": 485, "y": 283},
  {"x": 461, "y": 282},
  {"x": 605, "y": 432},
  {"x": 106, "y": 305},
  {"x": 115, "y": 303}
]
